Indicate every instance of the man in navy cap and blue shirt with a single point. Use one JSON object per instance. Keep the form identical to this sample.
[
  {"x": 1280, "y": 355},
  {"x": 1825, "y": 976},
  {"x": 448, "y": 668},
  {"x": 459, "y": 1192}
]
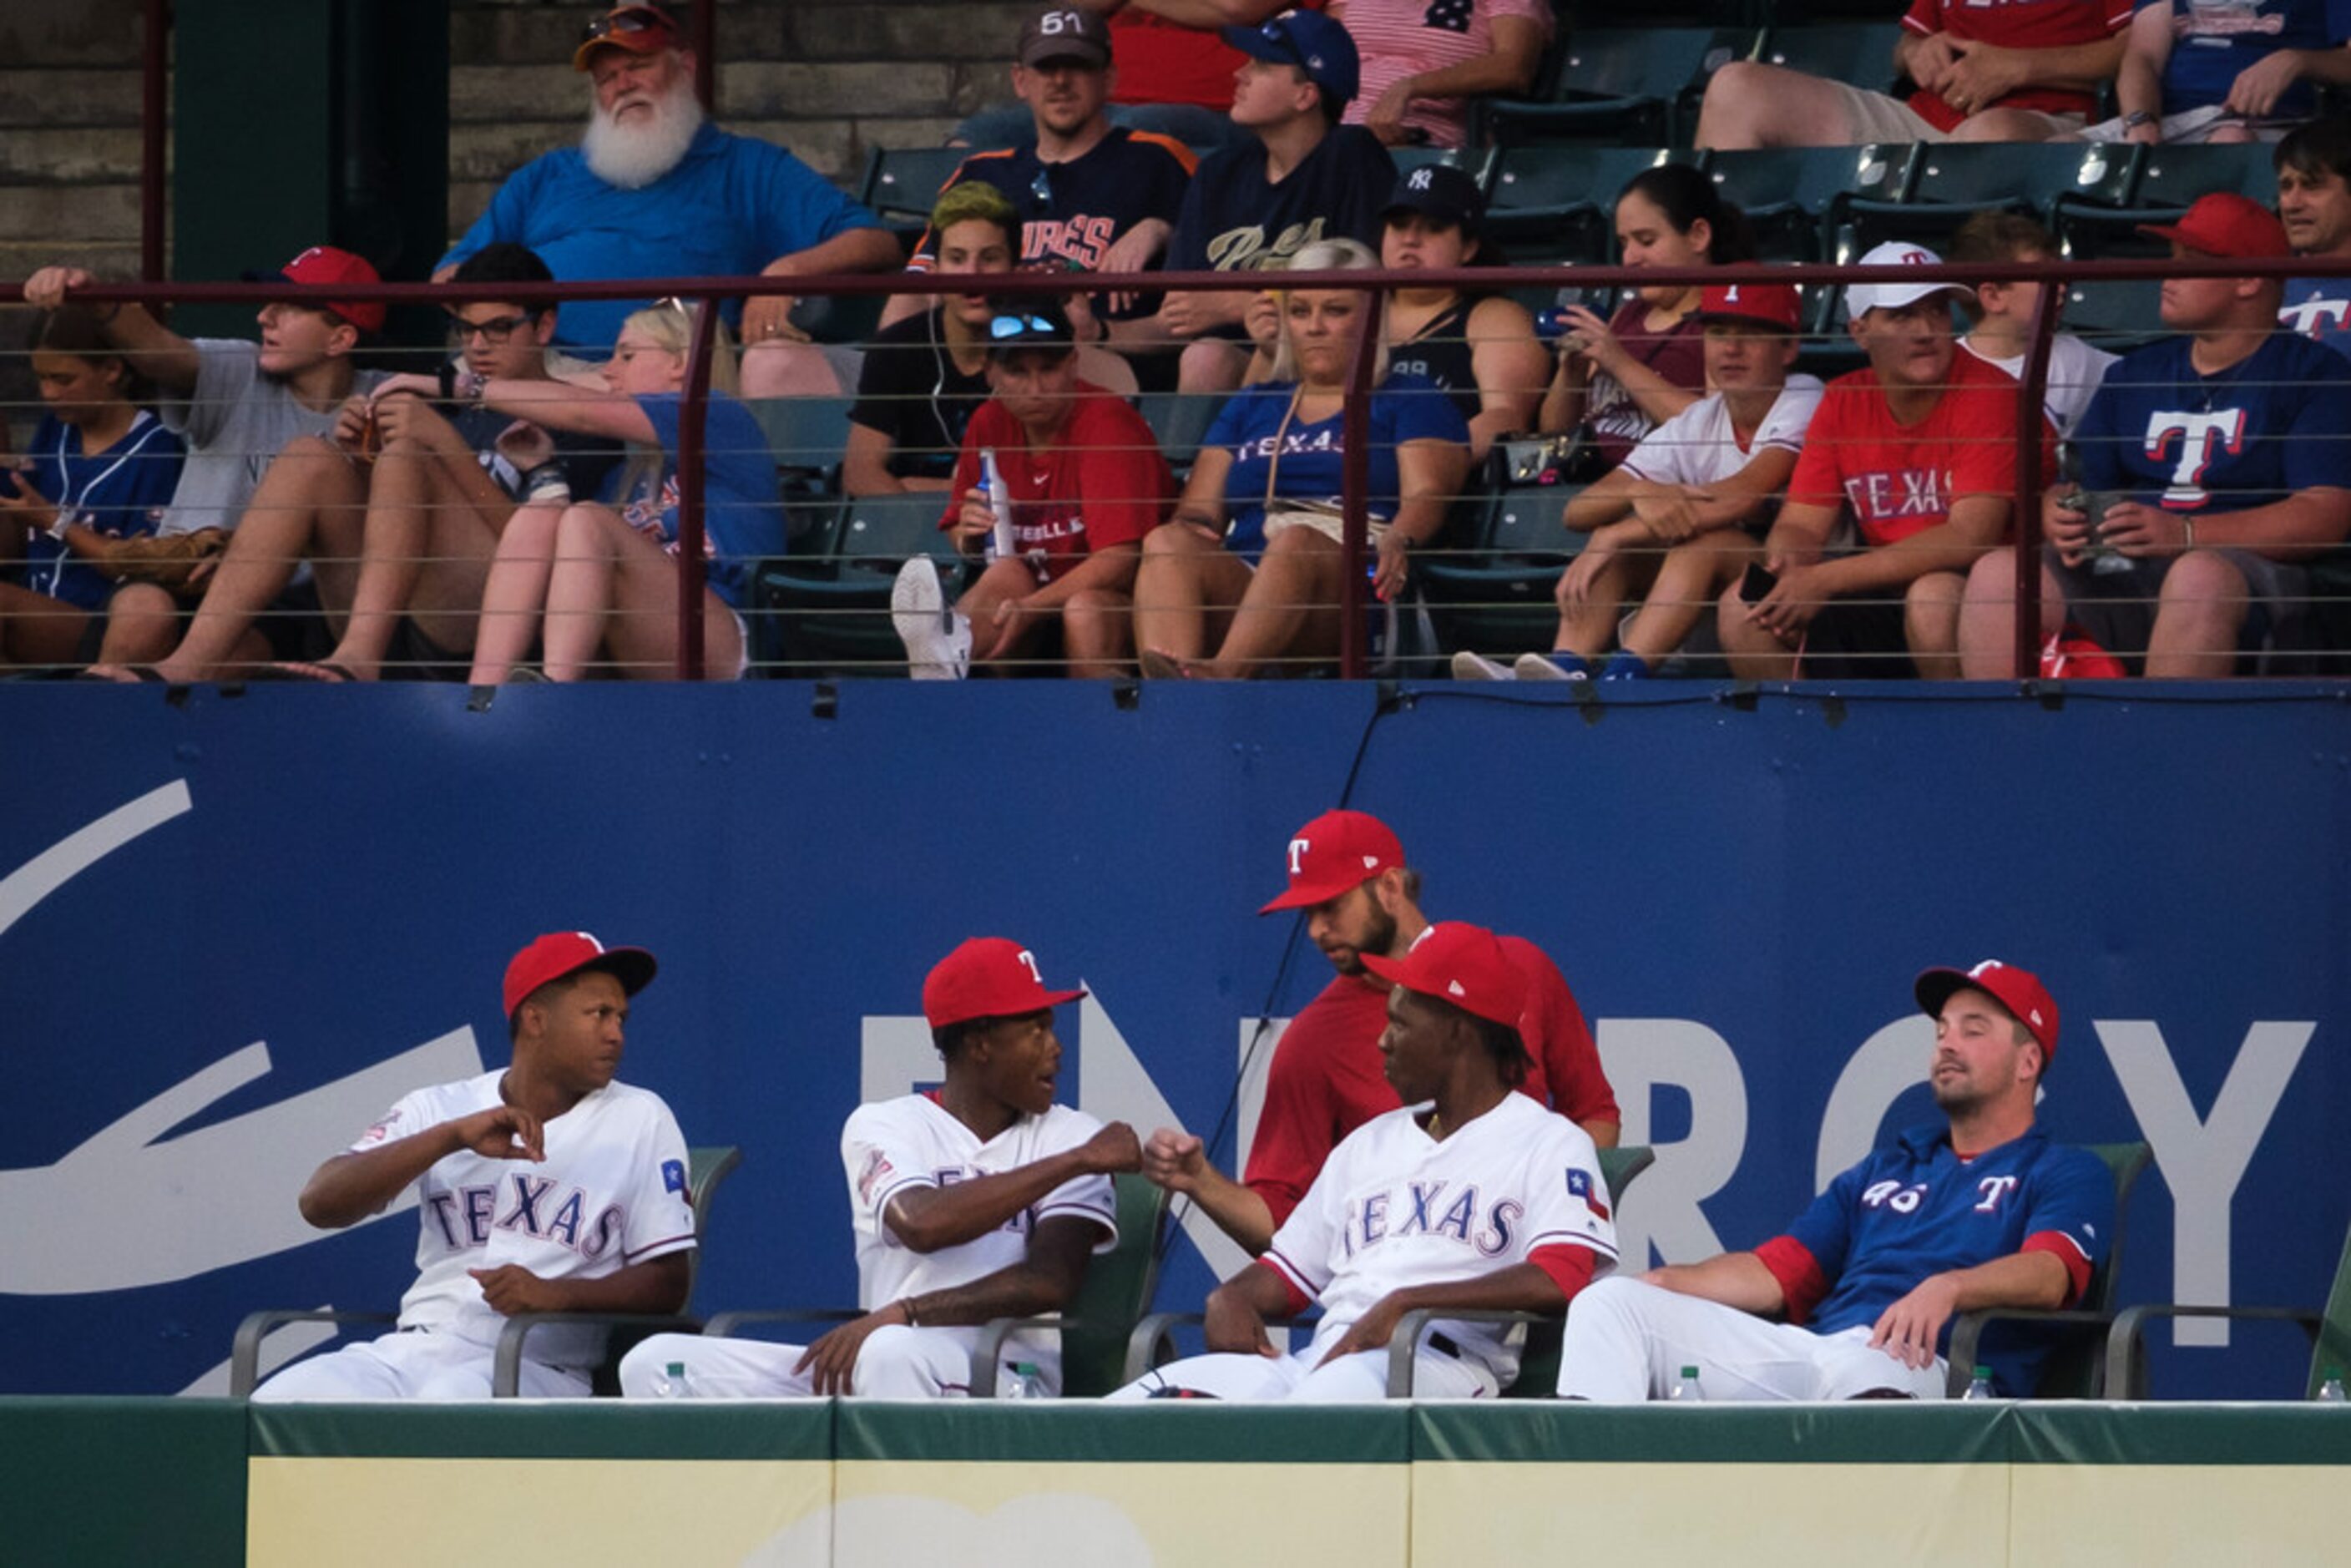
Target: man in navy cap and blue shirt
[
  {"x": 1982, "y": 1212},
  {"x": 1304, "y": 178}
]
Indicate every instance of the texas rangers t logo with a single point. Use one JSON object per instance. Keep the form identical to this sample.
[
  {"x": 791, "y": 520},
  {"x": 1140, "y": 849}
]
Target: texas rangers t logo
[{"x": 2203, "y": 437}]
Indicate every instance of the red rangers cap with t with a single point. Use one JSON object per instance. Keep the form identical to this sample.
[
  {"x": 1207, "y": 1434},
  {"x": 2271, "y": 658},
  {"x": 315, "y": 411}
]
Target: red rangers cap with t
[
  {"x": 1336, "y": 851},
  {"x": 1461, "y": 963},
  {"x": 987, "y": 978},
  {"x": 2019, "y": 990},
  {"x": 561, "y": 953},
  {"x": 1775, "y": 305}
]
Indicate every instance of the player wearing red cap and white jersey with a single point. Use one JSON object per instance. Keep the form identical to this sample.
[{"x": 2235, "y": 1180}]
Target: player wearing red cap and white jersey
[
  {"x": 1985, "y": 1212},
  {"x": 544, "y": 1188},
  {"x": 1469, "y": 1195},
  {"x": 1347, "y": 870},
  {"x": 980, "y": 1200}
]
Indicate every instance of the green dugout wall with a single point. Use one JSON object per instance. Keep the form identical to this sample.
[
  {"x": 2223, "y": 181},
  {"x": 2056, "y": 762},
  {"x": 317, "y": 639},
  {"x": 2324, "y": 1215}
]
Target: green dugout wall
[{"x": 88, "y": 1481}]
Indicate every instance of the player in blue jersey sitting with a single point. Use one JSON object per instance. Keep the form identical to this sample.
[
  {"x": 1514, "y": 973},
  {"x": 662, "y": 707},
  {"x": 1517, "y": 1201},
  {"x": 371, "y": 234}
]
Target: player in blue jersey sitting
[
  {"x": 1986, "y": 1212},
  {"x": 2216, "y": 476}
]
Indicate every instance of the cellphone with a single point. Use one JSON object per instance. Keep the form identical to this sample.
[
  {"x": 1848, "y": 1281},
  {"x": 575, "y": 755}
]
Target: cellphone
[{"x": 1755, "y": 583}]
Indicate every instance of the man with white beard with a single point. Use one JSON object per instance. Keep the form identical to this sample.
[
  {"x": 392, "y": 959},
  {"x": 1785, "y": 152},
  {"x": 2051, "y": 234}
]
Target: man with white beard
[{"x": 654, "y": 190}]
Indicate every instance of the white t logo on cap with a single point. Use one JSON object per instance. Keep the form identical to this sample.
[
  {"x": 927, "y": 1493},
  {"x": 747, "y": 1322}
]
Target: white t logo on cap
[
  {"x": 1298, "y": 847},
  {"x": 1029, "y": 962}
]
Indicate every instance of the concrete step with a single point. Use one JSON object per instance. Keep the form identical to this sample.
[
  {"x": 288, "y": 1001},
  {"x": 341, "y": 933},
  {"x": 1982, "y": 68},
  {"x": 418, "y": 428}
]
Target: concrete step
[
  {"x": 83, "y": 34},
  {"x": 494, "y": 34},
  {"x": 38, "y": 155},
  {"x": 58, "y": 99}
]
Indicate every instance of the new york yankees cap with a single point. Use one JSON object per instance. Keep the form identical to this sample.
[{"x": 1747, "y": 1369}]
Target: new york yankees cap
[
  {"x": 1064, "y": 33},
  {"x": 1442, "y": 192},
  {"x": 1334, "y": 853},
  {"x": 561, "y": 953},
  {"x": 1320, "y": 47},
  {"x": 2019, "y": 990},
  {"x": 1860, "y": 298},
  {"x": 1462, "y": 964},
  {"x": 987, "y": 977},
  {"x": 2224, "y": 223},
  {"x": 1773, "y": 305}
]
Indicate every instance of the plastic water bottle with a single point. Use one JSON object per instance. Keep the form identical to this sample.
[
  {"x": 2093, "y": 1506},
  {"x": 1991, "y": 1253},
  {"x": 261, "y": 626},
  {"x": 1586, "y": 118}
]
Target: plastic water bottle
[
  {"x": 1000, "y": 546},
  {"x": 672, "y": 1383},
  {"x": 1686, "y": 1388},
  {"x": 2331, "y": 1391},
  {"x": 1979, "y": 1385},
  {"x": 1026, "y": 1384}
]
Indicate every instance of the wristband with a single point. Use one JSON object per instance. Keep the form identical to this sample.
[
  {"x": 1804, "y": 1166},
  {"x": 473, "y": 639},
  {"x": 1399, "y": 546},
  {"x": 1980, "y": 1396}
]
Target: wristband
[
  {"x": 2137, "y": 118},
  {"x": 906, "y": 1310},
  {"x": 2188, "y": 533},
  {"x": 546, "y": 482}
]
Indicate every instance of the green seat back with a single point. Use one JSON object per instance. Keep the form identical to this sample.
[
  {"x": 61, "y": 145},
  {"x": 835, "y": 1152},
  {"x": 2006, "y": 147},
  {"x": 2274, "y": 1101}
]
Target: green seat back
[
  {"x": 1117, "y": 1292},
  {"x": 1539, "y": 1359}
]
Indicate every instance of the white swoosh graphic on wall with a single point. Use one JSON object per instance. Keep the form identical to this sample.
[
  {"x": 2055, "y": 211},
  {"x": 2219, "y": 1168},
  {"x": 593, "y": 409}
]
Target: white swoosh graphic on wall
[{"x": 69, "y": 857}]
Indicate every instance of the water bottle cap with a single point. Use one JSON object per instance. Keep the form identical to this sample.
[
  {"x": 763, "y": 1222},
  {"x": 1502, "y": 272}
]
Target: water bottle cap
[
  {"x": 1983, "y": 1372},
  {"x": 1689, "y": 1372},
  {"x": 1025, "y": 1368},
  {"x": 677, "y": 1369}
]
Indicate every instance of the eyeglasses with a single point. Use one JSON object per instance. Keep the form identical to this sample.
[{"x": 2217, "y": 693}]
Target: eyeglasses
[
  {"x": 630, "y": 19},
  {"x": 496, "y": 329},
  {"x": 1005, "y": 327}
]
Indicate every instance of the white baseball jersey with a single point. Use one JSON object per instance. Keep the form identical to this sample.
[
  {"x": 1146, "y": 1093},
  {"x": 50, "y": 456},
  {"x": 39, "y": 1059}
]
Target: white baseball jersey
[
  {"x": 1395, "y": 1208},
  {"x": 1698, "y": 445},
  {"x": 913, "y": 1141},
  {"x": 2075, "y": 372},
  {"x": 612, "y": 1191}
]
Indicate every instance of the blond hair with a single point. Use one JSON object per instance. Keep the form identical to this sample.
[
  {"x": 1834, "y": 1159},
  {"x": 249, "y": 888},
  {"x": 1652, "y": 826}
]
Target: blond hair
[{"x": 1340, "y": 254}]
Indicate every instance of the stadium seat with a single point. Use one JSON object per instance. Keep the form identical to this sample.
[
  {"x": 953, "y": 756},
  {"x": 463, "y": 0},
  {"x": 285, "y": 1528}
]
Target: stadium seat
[
  {"x": 2163, "y": 183},
  {"x": 830, "y": 609},
  {"x": 1785, "y": 192},
  {"x": 1117, "y": 1292},
  {"x": 1557, "y": 204},
  {"x": 2074, "y": 1369},
  {"x": 2329, "y": 1328},
  {"x": 806, "y": 436},
  {"x": 1624, "y": 86},
  {"x": 901, "y": 184},
  {"x": 2116, "y": 315},
  {"x": 706, "y": 1169},
  {"x": 1179, "y": 420},
  {"x": 1494, "y": 591},
  {"x": 1858, "y": 53},
  {"x": 1949, "y": 183}
]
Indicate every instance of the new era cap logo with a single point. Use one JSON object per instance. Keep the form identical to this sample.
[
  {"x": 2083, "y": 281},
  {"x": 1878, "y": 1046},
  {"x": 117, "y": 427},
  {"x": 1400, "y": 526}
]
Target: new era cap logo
[{"x": 1453, "y": 988}]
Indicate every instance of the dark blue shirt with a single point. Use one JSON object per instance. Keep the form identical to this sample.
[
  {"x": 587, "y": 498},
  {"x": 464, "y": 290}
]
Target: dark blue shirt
[
  {"x": 1234, "y": 218},
  {"x": 122, "y": 490},
  {"x": 1915, "y": 1208}
]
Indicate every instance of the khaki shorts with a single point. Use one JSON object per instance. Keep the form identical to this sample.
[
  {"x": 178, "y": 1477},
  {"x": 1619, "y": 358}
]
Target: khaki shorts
[{"x": 1880, "y": 117}]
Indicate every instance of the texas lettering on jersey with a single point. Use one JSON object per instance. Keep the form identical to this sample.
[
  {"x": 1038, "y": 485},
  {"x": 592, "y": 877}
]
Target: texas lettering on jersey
[
  {"x": 1891, "y": 495},
  {"x": 1421, "y": 1208},
  {"x": 533, "y": 1208}
]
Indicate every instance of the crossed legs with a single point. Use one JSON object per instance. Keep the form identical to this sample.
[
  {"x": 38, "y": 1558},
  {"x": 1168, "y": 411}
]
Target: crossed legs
[{"x": 583, "y": 581}]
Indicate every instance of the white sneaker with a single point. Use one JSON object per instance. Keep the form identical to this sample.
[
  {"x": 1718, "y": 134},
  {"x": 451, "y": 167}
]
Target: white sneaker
[
  {"x": 937, "y": 639},
  {"x": 1469, "y": 666},
  {"x": 1540, "y": 667}
]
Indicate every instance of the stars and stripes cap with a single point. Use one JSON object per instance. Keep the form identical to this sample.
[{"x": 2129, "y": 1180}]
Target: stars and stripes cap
[
  {"x": 1336, "y": 851},
  {"x": 561, "y": 953},
  {"x": 2019, "y": 990}
]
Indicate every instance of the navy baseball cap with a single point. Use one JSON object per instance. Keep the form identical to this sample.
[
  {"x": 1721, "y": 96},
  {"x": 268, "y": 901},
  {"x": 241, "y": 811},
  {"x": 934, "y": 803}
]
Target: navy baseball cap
[
  {"x": 1311, "y": 41},
  {"x": 1441, "y": 192}
]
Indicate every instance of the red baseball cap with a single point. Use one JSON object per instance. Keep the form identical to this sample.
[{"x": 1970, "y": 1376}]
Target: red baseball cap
[
  {"x": 2019, "y": 990},
  {"x": 639, "y": 29},
  {"x": 1461, "y": 963},
  {"x": 1336, "y": 851},
  {"x": 324, "y": 265},
  {"x": 2225, "y": 223},
  {"x": 1766, "y": 304},
  {"x": 561, "y": 953},
  {"x": 987, "y": 978}
]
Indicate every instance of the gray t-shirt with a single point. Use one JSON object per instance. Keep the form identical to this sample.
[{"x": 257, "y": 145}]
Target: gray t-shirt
[{"x": 235, "y": 421}]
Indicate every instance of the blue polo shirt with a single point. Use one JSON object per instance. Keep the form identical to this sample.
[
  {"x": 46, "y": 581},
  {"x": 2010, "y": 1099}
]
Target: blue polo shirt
[
  {"x": 733, "y": 205},
  {"x": 1915, "y": 1208}
]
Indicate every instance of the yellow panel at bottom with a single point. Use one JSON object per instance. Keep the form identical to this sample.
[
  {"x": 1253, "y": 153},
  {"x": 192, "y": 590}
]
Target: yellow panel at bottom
[
  {"x": 2131, "y": 1515},
  {"x": 1807, "y": 1516},
  {"x": 905, "y": 1515},
  {"x": 397, "y": 1512}
]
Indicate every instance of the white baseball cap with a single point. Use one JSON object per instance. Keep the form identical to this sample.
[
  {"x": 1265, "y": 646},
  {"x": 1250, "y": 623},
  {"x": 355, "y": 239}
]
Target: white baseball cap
[{"x": 1862, "y": 297}]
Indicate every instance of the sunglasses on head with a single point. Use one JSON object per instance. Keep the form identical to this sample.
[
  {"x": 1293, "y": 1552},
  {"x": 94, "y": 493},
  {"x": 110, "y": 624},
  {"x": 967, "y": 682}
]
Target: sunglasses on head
[
  {"x": 1004, "y": 327},
  {"x": 634, "y": 20},
  {"x": 1275, "y": 32}
]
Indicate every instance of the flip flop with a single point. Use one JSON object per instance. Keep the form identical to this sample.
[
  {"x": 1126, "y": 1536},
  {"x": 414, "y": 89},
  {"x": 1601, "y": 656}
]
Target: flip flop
[
  {"x": 129, "y": 674},
  {"x": 323, "y": 672}
]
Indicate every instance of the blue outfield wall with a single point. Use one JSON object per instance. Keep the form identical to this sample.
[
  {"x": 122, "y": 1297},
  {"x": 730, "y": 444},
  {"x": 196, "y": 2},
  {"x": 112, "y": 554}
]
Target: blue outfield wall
[{"x": 234, "y": 928}]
